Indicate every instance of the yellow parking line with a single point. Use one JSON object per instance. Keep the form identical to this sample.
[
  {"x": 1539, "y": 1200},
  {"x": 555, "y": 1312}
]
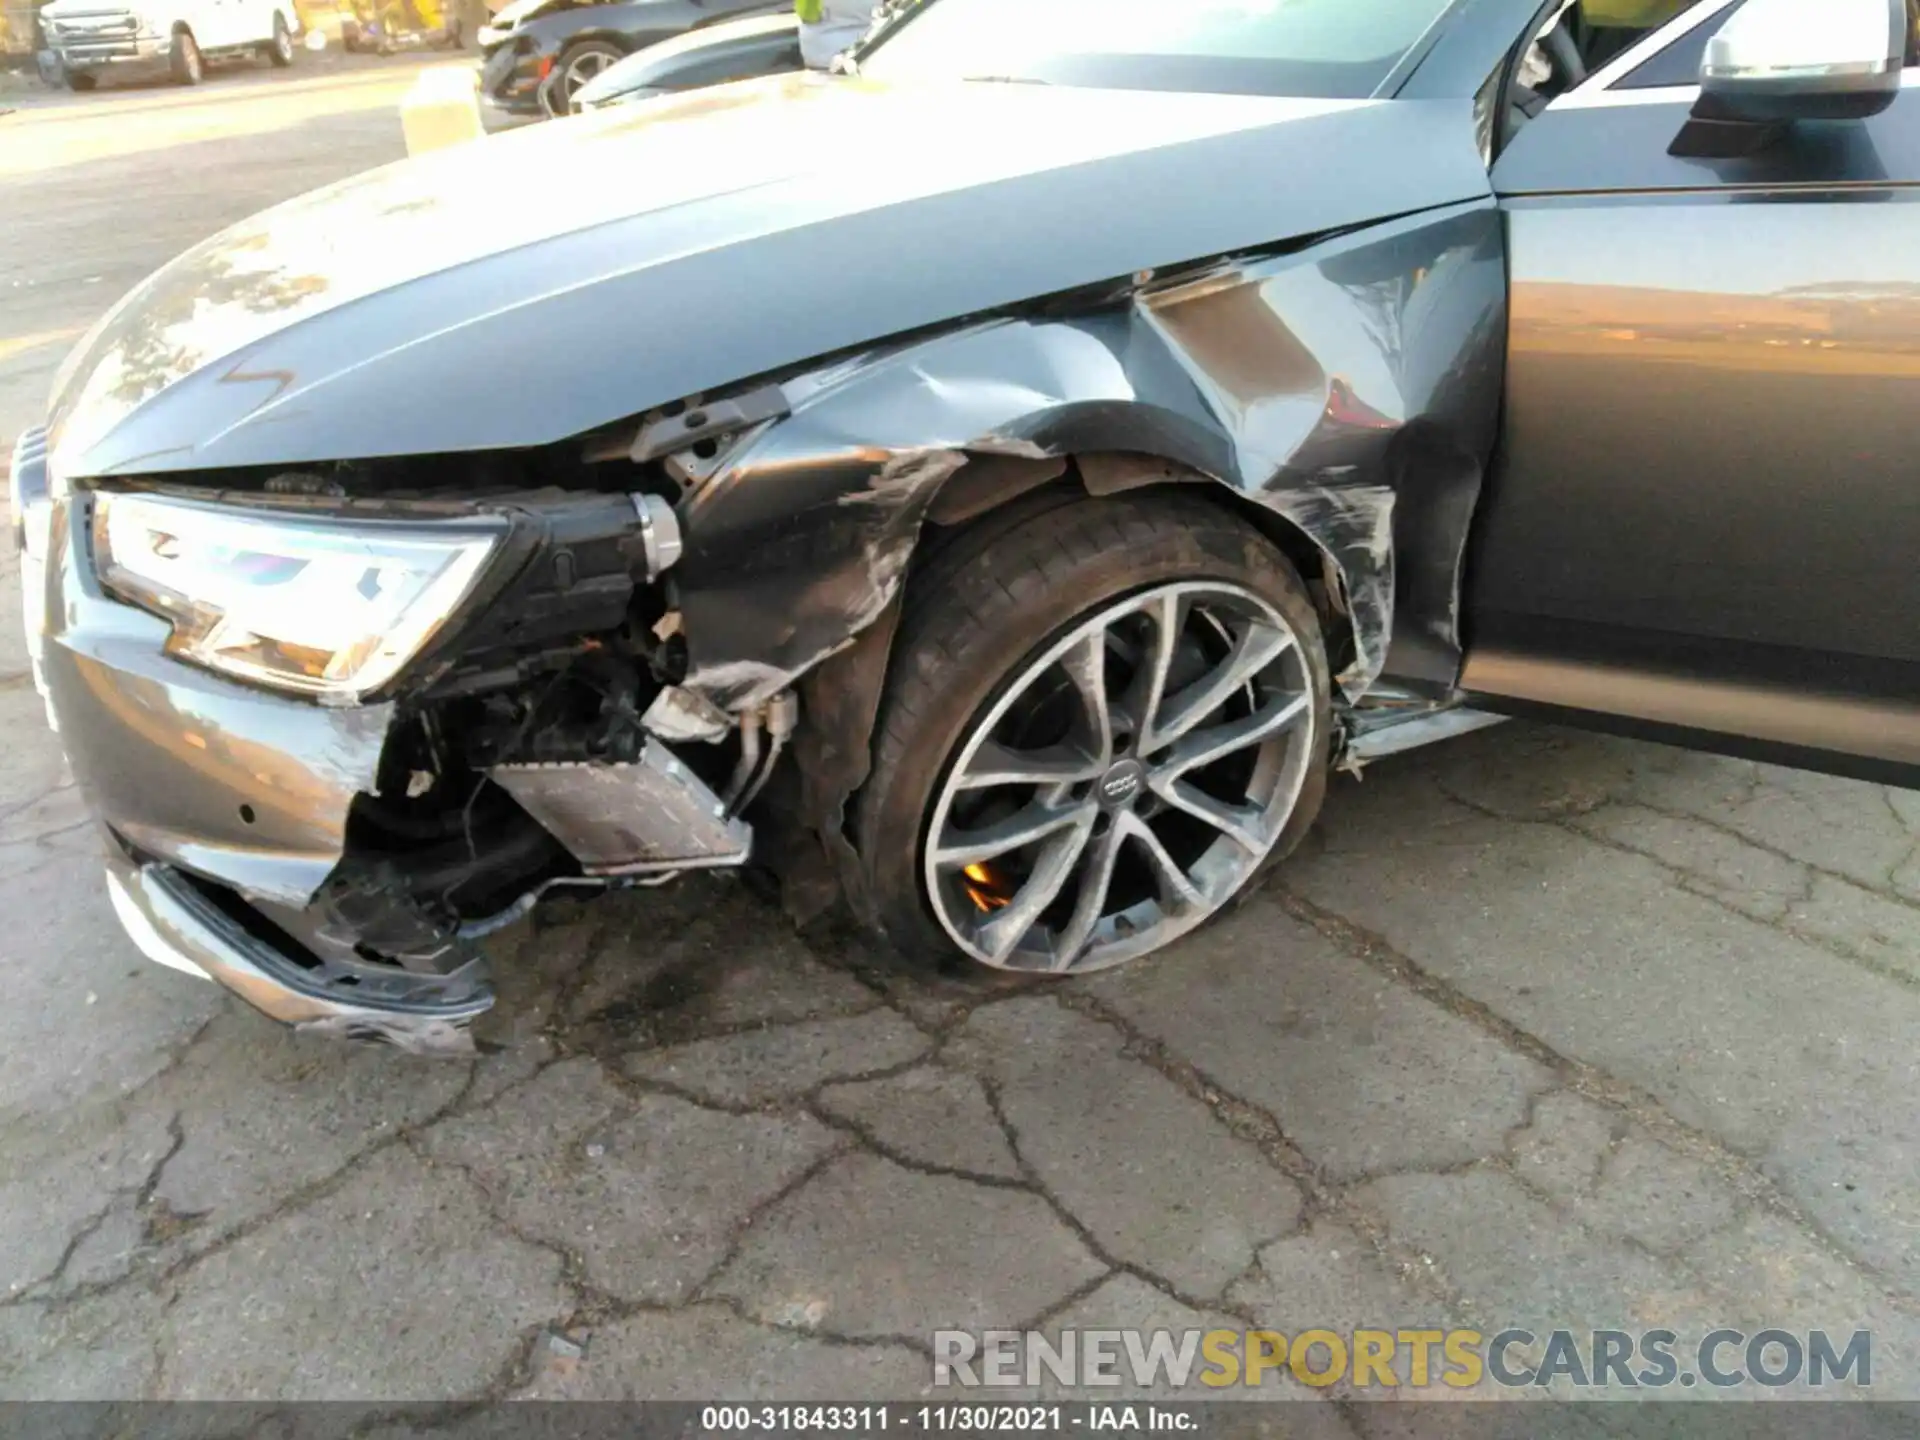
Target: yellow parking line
[{"x": 12, "y": 345}]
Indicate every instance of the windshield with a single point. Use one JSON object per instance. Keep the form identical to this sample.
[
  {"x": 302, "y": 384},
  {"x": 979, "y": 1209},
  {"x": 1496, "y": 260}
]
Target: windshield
[{"x": 1314, "y": 49}]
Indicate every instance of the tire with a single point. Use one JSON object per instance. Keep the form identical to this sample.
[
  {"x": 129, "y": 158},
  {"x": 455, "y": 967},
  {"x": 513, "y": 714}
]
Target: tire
[
  {"x": 188, "y": 66},
  {"x": 577, "y": 64},
  {"x": 980, "y": 650},
  {"x": 279, "y": 50},
  {"x": 80, "y": 82}
]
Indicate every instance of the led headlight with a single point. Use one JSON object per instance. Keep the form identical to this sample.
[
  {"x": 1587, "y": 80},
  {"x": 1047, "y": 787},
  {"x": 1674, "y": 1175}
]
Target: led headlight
[{"x": 333, "y": 609}]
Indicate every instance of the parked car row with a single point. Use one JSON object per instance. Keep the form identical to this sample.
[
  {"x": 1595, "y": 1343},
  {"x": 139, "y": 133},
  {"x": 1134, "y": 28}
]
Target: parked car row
[{"x": 540, "y": 58}]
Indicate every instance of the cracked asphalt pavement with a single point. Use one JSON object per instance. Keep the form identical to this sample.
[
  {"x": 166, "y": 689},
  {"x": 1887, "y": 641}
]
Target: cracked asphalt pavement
[{"x": 1540, "y": 1029}]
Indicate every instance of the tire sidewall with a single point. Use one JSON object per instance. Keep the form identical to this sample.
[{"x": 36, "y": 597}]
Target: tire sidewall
[
  {"x": 1193, "y": 542},
  {"x": 189, "y": 63}
]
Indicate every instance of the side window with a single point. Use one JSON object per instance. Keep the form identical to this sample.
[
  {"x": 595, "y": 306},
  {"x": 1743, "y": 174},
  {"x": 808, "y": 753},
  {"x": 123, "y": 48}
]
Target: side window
[
  {"x": 1608, "y": 28},
  {"x": 1679, "y": 63},
  {"x": 1580, "y": 37}
]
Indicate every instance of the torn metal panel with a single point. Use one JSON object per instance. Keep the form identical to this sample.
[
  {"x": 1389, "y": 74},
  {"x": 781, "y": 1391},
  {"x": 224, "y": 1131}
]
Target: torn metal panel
[
  {"x": 833, "y": 755},
  {"x": 1314, "y": 384},
  {"x": 1376, "y": 737},
  {"x": 1337, "y": 373}
]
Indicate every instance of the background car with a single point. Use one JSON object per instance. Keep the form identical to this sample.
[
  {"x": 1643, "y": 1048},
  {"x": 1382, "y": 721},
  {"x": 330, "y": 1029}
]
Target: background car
[
  {"x": 175, "y": 37},
  {"x": 739, "y": 50},
  {"x": 537, "y": 54}
]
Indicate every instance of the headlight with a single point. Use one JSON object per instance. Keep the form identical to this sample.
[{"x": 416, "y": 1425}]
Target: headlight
[{"x": 331, "y": 609}]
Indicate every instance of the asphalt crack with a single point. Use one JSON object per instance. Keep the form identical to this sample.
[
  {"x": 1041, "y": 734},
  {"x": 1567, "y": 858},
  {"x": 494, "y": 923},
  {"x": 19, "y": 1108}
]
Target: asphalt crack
[
  {"x": 1587, "y": 1080},
  {"x": 1094, "y": 1245},
  {"x": 291, "y": 1203},
  {"x": 1321, "y": 1195}
]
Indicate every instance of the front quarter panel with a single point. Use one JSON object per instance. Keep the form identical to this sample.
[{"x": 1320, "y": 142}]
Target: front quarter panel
[{"x": 1335, "y": 386}]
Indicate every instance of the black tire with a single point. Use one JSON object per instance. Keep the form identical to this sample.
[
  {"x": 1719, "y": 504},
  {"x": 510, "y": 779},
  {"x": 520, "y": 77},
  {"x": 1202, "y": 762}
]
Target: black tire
[
  {"x": 555, "y": 97},
  {"x": 279, "y": 50},
  {"x": 188, "y": 66},
  {"x": 982, "y": 609},
  {"x": 81, "y": 82}
]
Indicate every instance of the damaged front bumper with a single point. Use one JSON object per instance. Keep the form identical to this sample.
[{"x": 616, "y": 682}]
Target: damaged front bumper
[
  {"x": 174, "y": 923},
  {"x": 276, "y": 846}
]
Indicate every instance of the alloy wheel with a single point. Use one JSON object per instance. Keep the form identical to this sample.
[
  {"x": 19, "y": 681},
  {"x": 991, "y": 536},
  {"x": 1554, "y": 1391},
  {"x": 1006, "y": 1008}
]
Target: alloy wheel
[
  {"x": 1125, "y": 784},
  {"x": 574, "y": 78}
]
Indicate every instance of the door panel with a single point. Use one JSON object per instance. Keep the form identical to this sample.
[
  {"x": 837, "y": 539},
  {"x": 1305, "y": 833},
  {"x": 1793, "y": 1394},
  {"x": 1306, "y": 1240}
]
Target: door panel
[
  {"x": 212, "y": 22},
  {"x": 247, "y": 22},
  {"x": 1711, "y": 420},
  {"x": 1711, "y": 458}
]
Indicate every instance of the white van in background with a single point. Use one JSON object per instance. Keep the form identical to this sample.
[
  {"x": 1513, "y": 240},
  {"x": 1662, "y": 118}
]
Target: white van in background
[{"x": 175, "y": 36}]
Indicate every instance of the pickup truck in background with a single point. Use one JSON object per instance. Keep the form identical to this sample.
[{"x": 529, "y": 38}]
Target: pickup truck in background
[{"x": 175, "y": 37}]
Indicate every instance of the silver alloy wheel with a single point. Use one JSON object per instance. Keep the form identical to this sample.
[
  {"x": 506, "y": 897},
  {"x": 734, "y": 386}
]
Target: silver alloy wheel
[
  {"x": 1126, "y": 784},
  {"x": 560, "y": 91},
  {"x": 282, "y": 41},
  {"x": 194, "y": 65}
]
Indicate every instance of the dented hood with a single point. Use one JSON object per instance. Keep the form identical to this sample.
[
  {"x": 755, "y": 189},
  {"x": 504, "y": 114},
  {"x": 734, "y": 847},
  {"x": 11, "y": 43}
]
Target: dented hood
[{"x": 539, "y": 284}]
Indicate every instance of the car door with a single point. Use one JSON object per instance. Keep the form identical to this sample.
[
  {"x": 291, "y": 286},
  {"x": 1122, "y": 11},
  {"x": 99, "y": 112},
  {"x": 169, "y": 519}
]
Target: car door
[
  {"x": 212, "y": 22},
  {"x": 1705, "y": 511},
  {"x": 252, "y": 20}
]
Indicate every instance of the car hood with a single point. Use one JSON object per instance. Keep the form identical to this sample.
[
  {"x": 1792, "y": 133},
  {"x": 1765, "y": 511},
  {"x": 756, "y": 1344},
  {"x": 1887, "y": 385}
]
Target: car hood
[
  {"x": 535, "y": 285},
  {"x": 519, "y": 11},
  {"x": 69, "y": 9}
]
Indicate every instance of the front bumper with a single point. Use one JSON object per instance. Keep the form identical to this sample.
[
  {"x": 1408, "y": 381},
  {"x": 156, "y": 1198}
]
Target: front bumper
[
  {"x": 510, "y": 79},
  {"x": 226, "y": 808},
  {"x": 251, "y": 835},
  {"x": 119, "y": 52},
  {"x": 175, "y": 924}
]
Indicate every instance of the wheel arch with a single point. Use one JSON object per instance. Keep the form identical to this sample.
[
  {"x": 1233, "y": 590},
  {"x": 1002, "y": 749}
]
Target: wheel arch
[
  {"x": 988, "y": 485},
  {"x": 1341, "y": 396},
  {"x": 598, "y": 35}
]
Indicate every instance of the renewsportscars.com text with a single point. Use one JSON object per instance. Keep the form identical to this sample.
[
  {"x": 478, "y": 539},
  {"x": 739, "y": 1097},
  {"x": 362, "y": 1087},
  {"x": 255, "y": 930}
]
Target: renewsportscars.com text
[{"x": 1405, "y": 1359}]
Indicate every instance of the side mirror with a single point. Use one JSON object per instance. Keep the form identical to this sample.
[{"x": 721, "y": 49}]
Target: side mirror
[{"x": 1785, "y": 60}]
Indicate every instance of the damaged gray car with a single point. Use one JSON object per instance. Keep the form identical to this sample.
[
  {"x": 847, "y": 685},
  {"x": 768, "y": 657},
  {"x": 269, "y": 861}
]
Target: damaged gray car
[{"x": 991, "y": 489}]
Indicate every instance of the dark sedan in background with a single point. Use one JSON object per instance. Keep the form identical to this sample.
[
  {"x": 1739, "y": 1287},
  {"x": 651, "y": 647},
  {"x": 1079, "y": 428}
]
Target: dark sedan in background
[
  {"x": 739, "y": 50},
  {"x": 537, "y": 54}
]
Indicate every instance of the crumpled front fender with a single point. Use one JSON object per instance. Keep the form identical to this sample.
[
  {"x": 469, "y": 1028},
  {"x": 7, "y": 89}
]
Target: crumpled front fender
[{"x": 1339, "y": 386}]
